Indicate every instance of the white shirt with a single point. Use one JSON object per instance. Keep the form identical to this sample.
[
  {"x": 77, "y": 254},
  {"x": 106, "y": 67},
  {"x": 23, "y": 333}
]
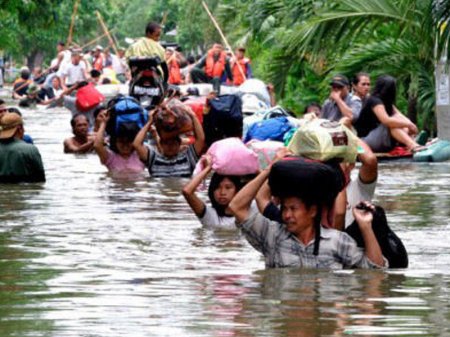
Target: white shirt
[
  {"x": 75, "y": 73},
  {"x": 118, "y": 65},
  {"x": 357, "y": 191},
  {"x": 212, "y": 219}
]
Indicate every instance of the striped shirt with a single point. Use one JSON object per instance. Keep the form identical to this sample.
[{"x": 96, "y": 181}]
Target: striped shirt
[
  {"x": 281, "y": 248},
  {"x": 182, "y": 165}
]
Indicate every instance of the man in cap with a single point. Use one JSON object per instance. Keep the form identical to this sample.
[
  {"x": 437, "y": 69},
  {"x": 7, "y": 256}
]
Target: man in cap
[
  {"x": 19, "y": 161},
  {"x": 339, "y": 103}
]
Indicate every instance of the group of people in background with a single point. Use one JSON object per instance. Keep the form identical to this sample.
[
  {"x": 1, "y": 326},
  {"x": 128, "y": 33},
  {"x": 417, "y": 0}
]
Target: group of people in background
[{"x": 283, "y": 228}]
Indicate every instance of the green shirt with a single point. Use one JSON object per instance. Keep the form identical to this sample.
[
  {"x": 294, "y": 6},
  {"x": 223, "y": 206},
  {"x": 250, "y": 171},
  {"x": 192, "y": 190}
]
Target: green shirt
[
  {"x": 145, "y": 47},
  {"x": 20, "y": 162}
]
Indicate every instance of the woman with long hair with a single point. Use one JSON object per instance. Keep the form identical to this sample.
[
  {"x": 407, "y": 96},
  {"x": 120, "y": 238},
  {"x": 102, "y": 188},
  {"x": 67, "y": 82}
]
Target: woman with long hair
[{"x": 381, "y": 125}]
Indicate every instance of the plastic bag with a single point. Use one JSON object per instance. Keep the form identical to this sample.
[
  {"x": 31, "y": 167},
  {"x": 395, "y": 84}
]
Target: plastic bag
[{"x": 321, "y": 139}]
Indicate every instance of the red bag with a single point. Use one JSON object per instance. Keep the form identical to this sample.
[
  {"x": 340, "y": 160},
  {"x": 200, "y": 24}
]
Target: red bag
[
  {"x": 197, "y": 104},
  {"x": 88, "y": 97}
]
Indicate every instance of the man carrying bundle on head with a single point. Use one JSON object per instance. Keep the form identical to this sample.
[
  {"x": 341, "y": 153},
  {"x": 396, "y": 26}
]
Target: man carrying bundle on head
[
  {"x": 305, "y": 189},
  {"x": 212, "y": 67}
]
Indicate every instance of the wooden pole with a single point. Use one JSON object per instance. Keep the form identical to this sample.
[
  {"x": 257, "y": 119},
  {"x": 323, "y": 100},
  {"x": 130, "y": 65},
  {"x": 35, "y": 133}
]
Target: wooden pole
[
  {"x": 164, "y": 19},
  {"x": 95, "y": 40},
  {"x": 72, "y": 22},
  {"x": 105, "y": 29},
  {"x": 223, "y": 38}
]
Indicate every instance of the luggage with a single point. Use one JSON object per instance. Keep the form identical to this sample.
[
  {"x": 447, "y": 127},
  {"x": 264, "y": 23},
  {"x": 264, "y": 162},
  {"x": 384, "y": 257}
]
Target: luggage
[
  {"x": 391, "y": 245},
  {"x": 272, "y": 129},
  {"x": 224, "y": 118},
  {"x": 197, "y": 104},
  {"x": 126, "y": 115},
  {"x": 88, "y": 97},
  {"x": 173, "y": 119},
  {"x": 323, "y": 140},
  {"x": 306, "y": 179},
  {"x": 266, "y": 151},
  {"x": 231, "y": 157}
]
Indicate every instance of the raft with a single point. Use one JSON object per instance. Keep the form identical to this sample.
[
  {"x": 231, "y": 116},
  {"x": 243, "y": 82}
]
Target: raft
[{"x": 437, "y": 151}]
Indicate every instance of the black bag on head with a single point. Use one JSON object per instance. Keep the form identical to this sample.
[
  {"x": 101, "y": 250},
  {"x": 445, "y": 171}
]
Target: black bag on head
[
  {"x": 391, "y": 245},
  {"x": 307, "y": 179},
  {"x": 224, "y": 118}
]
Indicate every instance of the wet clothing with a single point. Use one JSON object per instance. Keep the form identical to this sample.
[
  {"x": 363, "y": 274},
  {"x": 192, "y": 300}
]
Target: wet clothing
[
  {"x": 282, "y": 249},
  {"x": 20, "y": 162},
  {"x": 20, "y": 86},
  {"x": 330, "y": 110},
  {"x": 118, "y": 164},
  {"x": 182, "y": 165},
  {"x": 357, "y": 191},
  {"x": 210, "y": 218}
]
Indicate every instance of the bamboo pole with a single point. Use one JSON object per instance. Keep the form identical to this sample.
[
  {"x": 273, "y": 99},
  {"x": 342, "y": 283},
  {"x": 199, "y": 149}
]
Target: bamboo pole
[
  {"x": 95, "y": 40},
  {"x": 223, "y": 38},
  {"x": 105, "y": 29},
  {"x": 164, "y": 19},
  {"x": 72, "y": 22}
]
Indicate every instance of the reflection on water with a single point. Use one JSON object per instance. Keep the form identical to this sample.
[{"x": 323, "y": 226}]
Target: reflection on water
[{"x": 90, "y": 254}]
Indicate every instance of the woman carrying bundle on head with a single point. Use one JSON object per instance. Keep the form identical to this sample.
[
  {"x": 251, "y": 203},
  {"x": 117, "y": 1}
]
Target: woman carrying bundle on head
[
  {"x": 222, "y": 188},
  {"x": 120, "y": 156},
  {"x": 305, "y": 189}
]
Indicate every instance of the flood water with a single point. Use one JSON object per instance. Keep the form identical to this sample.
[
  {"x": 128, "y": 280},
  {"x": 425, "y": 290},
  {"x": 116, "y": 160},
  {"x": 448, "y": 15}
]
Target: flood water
[{"x": 88, "y": 254}]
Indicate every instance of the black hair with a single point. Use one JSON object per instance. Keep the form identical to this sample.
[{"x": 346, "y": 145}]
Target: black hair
[
  {"x": 312, "y": 104},
  {"x": 95, "y": 73},
  {"x": 98, "y": 109},
  {"x": 72, "y": 121},
  {"x": 2, "y": 102},
  {"x": 25, "y": 74},
  {"x": 386, "y": 90},
  {"x": 357, "y": 77},
  {"x": 61, "y": 43},
  {"x": 106, "y": 81},
  {"x": 125, "y": 131},
  {"x": 152, "y": 27},
  {"x": 14, "y": 111},
  {"x": 191, "y": 59},
  {"x": 216, "y": 179}
]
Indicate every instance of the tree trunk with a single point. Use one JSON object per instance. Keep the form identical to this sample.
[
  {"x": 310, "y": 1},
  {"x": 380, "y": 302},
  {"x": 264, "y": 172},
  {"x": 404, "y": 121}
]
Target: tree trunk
[
  {"x": 412, "y": 108},
  {"x": 35, "y": 59}
]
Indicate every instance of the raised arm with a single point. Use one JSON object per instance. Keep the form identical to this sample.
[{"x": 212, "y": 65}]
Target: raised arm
[
  {"x": 364, "y": 219},
  {"x": 343, "y": 107},
  {"x": 369, "y": 168},
  {"x": 99, "y": 142},
  {"x": 199, "y": 143},
  {"x": 138, "y": 142},
  {"x": 263, "y": 197},
  {"x": 240, "y": 205},
  {"x": 197, "y": 205}
]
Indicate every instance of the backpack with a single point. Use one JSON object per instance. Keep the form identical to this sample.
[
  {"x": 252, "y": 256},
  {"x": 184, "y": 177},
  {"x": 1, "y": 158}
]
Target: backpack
[
  {"x": 88, "y": 97},
  {"x": 269, "y": 129},
  {"x": 224, "y": 118},
  {"x": 126, "y": 115},
  {"x": 391, "y": 245}
]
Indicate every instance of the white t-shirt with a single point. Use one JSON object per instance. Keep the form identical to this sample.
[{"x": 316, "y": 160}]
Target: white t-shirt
[
  {"x": 118, "y": 65},
  {"x": 65, "y": 62},
  {"x": 75, "y": 73},
  {"x": 212, "y": 219},
  {"x": 357, "y": 191}
]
